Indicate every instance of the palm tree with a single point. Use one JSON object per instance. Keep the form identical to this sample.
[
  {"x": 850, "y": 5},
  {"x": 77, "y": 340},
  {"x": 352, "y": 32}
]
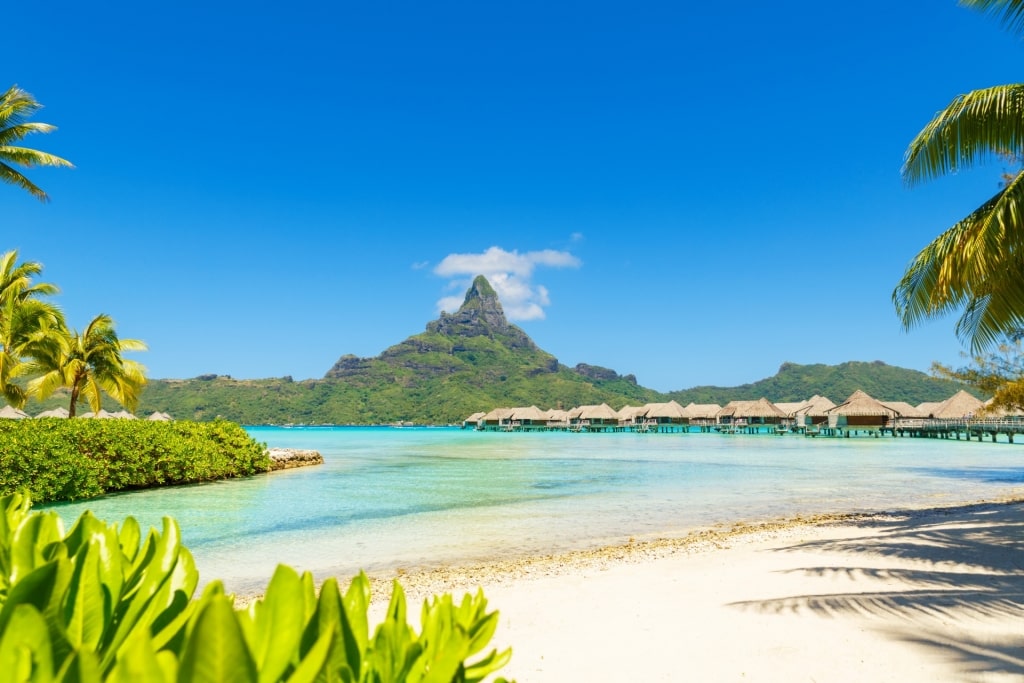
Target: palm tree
[
  {"x": 88, "y": 363},
  {"x": 977, "y": 265},
  {"x": 21, "y": 314},
  {"x": 16, "y": 106}
]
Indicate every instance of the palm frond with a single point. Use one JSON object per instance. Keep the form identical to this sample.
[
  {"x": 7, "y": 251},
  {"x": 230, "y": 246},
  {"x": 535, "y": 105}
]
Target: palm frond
[
  {"x": 10, "y": 175},
  {"x": 972, "y": 128},
  {"x": 1009, "y": 12},
  {"x": 22, "y": 130},
  {"x": 23, "y": 156}
]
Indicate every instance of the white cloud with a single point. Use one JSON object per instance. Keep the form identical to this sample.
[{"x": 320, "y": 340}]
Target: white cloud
[{"x": 510, "y": 273}]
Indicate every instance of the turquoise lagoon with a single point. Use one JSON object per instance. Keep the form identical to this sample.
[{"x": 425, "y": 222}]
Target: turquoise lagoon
[{"x": 387, "y": 498}]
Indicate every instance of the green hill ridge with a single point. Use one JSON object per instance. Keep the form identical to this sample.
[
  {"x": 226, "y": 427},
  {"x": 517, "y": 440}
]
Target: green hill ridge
[{"x": 474, "y": 360}]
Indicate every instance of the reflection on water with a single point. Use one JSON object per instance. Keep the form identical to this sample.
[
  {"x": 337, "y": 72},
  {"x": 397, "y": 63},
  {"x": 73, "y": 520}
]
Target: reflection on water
[{"x": 410, "y": 497}]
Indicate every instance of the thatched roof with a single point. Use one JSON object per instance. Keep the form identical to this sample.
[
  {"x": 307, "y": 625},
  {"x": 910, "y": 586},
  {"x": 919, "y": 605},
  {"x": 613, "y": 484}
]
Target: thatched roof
[
  {"x": 61, "y": 412},
  {"x": 762, "y": 407},
  {"x": 630, "y": 412},
  {"x": 123, "y": 415},
  {"x": 475, "y": 417},
  {"x": 12, "y": 413},
  {"x": 497, "y": 415},
  {"x": 990, "y": 412},
  {"x": 663, "y": 410},
  {"x": 928, "y": 408},
  {"x": 164, "y": 417},
  {"x": 701, "y": 411},
  {"x": 816, "y": 406},
  {"x": 530, "y": 413},
  {"x": 601, "y": 412},
  {"x": 904, "y": 409},
  {"x": 102, "y": 415},
  {"x": 790, "y": 408},
  {"x": 959, "y": 405},
  {"x": 554, "y": 414},
  {"x": 861, "y": 404}
]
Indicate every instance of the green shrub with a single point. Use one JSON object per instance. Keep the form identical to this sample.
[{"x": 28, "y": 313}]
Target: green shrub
[
  {"x": 100, "y": 605},
  {"x": 60, "y": 459}
]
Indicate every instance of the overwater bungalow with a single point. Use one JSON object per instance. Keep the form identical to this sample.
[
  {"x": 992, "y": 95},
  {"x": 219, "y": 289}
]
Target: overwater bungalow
[
  {"x": 860, "y": 413},
  {"x": 905, "y": 411},
  {"x": 470, "y": 422},
  {"x": 664, "y": 416},
  {"x": 557, "y": 419},
  {"x": 598, "y": 418},
  {"x": 702, "y": 414},
  {"x": 631, "y": 416},
  {"x": 499, "y": 418},
  {"x": 750, "y": 414},
  {"x": 959, "y": 406},
  {"x": 528, "y": 419},
  {"x": 813, "y": 413}
]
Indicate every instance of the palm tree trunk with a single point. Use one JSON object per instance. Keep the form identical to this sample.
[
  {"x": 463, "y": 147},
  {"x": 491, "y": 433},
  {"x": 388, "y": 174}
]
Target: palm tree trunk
[{"x": 74, "y": 399}]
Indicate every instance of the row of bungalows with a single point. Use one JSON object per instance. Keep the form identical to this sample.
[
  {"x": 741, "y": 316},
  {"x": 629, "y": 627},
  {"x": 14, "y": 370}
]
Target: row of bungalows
[{"x": 860, "y": 413}]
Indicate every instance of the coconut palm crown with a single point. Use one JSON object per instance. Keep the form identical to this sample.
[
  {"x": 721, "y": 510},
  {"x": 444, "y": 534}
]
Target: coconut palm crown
[
  {"x": 22, "y": 312},
  {"x": 89, "y": 364},
  {"x": 977, "y": 265},
  {"x": 16, "y": 107}
]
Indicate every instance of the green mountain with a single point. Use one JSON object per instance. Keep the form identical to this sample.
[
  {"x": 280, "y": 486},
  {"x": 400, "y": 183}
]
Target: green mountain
[
  {"x": 799, "y": 382},
  {"x": 476, "y": 360},
  {"x": 464, "y": 362}
]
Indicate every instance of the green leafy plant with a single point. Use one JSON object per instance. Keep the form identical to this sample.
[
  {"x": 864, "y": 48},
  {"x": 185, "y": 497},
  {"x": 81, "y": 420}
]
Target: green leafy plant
[
  {"x": 100, "y": 604},
  {"x": 59, "y": 459}
]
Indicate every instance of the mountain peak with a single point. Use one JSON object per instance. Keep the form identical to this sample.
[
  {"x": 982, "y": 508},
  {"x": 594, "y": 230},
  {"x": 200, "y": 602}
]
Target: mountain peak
[{"x": 480, "y": 315}]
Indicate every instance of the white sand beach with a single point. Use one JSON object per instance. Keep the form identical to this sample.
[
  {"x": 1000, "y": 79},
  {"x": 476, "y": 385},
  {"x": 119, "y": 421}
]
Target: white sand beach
[{"x": 933, "y": 595}]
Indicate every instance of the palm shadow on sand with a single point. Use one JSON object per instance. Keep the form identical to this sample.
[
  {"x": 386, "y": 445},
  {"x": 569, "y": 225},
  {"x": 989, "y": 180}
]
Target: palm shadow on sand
[{"x": 963, "y": 563}]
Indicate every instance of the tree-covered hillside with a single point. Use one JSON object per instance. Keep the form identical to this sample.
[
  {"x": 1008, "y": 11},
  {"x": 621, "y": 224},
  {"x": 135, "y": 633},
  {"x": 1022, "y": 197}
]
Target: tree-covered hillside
[{"x": 799, "y": 382}]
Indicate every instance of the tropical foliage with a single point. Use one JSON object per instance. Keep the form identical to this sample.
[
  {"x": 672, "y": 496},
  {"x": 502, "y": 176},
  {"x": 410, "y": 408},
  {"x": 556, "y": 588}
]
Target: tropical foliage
[
  {"x": 37, "y": 346},
  {"x": 977, "y": 265},
  {"x": 16, "y": 107},
  {"x": 999, "y": 372},
  {"x": 22, "y": 314},
  {"x": 87, "y": 364},
  {"x": 100, "y": 604},
  {"x": 55, "y": 459}
]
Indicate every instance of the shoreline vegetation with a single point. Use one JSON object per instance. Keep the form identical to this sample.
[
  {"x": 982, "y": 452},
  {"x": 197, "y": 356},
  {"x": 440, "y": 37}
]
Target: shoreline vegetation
[{"x": 56, "y": 459}]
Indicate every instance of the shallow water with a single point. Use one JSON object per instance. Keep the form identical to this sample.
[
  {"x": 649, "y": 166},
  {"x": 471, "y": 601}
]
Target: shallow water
[{"x": 415, "y": 497}]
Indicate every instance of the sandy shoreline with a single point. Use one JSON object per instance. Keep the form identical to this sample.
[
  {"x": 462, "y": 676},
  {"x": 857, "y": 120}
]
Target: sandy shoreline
[{"x": 912, "y": 595}]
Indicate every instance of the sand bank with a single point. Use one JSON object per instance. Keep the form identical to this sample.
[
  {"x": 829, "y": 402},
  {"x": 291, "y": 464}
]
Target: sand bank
[{"x": 927, "y": 595}]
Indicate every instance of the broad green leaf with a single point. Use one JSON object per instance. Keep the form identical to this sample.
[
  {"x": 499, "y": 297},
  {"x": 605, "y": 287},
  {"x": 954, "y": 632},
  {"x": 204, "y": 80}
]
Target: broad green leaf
[
  {"x": 82, "y": 667},
  {"x": 137, "y": 661},
  {"x": 30, "y": 539},
  {"x": 216, "y": 650},
  {"x": 25, "y": 652},
  {"x": 129, "y": 538},
  {"x": 278, "y": 624},
  {"x": 35, "y": 589},
  {"x": 85, "y": 603},
  {"x": 314, "y": 663},
  {"x": 483, "y": 668}
]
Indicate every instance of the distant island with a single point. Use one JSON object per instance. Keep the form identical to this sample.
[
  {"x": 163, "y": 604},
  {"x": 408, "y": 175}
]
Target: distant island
[{"x": 474, "y": 359}]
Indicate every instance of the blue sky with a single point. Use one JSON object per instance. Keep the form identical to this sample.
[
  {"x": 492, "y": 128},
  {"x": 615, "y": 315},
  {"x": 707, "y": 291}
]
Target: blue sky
[{"x": 691, "y": 192}]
